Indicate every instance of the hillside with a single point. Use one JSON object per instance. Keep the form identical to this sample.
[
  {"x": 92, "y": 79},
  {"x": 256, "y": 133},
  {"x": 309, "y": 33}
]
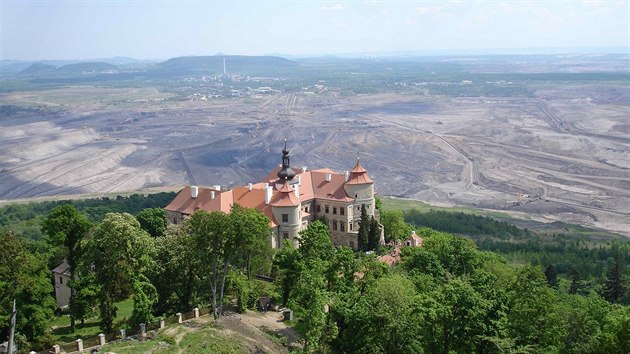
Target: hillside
[
  {"x": 209, "y": 65},
  {"x": 87, "y": 67}
]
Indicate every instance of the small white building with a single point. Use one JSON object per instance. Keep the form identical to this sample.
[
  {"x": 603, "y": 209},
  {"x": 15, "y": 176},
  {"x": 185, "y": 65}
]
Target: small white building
[{"x": 62, "y": 291}]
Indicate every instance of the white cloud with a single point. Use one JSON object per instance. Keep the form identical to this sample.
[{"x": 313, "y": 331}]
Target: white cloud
[{"x": 336, "y": 7}]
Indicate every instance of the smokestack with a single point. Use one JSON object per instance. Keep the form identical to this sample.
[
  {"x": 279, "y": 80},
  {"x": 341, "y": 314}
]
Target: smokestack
[
  {"x": 211, "y": 194},
  {"x": 328, "y": 177},
  {"x": 250, "y": 186},
  {"x": 268, "y": 194},
  {"x": 194, "y": 191}
]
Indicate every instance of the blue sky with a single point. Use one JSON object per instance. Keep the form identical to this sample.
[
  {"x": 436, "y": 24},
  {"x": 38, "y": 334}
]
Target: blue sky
[{"x": 34, "y": 30}]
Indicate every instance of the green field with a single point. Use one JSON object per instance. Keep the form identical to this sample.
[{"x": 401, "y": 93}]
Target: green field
[{"x": 391, "y": 203}]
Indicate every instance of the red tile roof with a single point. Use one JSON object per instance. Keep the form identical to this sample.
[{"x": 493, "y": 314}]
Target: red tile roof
[
  {"x": 313, "y": 185},
  {"x": 285, "y": 197},
  {"x": 358, "y": 175}
]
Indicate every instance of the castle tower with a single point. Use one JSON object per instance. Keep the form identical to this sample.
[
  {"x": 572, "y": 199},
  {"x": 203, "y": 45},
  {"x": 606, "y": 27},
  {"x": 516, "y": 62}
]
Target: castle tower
[
  {"x": 286, "y": 210},
  {"x": 360, "y": 187}
]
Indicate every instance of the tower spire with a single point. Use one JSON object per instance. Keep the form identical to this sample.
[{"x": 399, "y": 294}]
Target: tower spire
[{"x": 286, "y": 173}]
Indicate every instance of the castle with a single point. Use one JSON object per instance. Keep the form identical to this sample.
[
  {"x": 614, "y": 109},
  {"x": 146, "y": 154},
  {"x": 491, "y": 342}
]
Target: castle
[{"x": 291, "y": 199}]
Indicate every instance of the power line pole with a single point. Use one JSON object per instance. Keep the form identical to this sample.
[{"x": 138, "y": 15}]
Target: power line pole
[{"x": 12, "y": 331}]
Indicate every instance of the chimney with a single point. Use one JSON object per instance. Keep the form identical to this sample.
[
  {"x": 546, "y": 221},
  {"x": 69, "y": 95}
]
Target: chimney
[
  {"x": 296, "y": 189},
  {"x": 304, "y": 169},
  {"x": 328, "y": 177},
  {"x": 268, "y": 194},
  {"x": 211, "y": 194},
  {"x": 266, "y": 185},
  {"x": 299, "y": 180},
  {"x": 217, "y": 187},
  {"x": 194, "y": 191},
  {"x": 250, "y": 186},
  {"x": 347, "y": 176}
]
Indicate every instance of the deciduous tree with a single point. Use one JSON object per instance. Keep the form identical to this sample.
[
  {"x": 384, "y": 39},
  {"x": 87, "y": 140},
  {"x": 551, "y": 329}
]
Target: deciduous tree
[
  {"x": 66, "y": 226},
  {"x": 119, "y": 253},
  {"x": 153, "y": 221}
]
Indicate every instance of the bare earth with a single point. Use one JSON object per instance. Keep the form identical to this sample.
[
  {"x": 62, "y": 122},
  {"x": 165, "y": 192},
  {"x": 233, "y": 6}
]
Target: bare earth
[{"x": 562, "y": 154}]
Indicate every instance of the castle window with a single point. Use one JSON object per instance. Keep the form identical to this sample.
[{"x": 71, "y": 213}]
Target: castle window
[
  {"x": 60, "y": 280},
  {"x": 326, "y": 209},
  {"x": 342, "y": 211},
  {"x": 351, "y": 244},
  {"x": 334, "y": 225},
  {"x": 356, "y": 195},
  {"x": 335, "y": 210},
  {"x": 342, "y": 226},
  {"x": 285, "y": 217},
  {"x": 350, "y": 226},
  {"x": 319, "y": 208},
  {"x": 306, "y": 209},
  {"x": 285, "y": 235}
]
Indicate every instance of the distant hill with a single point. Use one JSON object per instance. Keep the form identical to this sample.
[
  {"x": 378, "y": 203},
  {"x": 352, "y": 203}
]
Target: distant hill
[
  {"x": 38, "y": 68},
  {"x": 90, "y": 67},
  {"x": 240, "y": 64}
]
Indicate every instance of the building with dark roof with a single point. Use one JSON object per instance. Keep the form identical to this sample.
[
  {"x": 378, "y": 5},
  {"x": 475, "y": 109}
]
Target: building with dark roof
[{"x": 291, "y": 198}]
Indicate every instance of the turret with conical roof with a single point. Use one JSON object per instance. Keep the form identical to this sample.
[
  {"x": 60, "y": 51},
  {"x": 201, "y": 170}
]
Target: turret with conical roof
[
  {"x": 358, "y": 175},
  {"x": 360, "y": 187}
]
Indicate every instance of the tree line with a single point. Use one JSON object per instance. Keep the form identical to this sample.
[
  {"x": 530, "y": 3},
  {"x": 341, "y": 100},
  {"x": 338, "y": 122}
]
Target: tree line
[
  {"x": 447, "y": 296},
  {"x": 163, "y": 270}
]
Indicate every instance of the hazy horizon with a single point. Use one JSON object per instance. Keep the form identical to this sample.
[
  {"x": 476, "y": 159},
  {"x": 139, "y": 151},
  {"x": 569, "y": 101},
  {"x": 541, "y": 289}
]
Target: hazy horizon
[{"x": 71, "y": 30}]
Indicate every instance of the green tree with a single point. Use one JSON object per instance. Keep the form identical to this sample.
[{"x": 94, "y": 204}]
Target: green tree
[
  {"x": 613, "y": 290},
  {"x": 153, "y": 221},
  {"x": 576, "y": 281},
  {"x": 252, "y": 228},
  {"x": 552, "y": 276},
  {"x": 585, "y": 316},
  {"x": 374, "y": 234},
  {"x": 453, "y": 317},
  {"x": 459, "y": 256},
  {"x": 382, "y": 320},
  {"x": 364, "y": 230},
  {"x": 25, "y": 278},
  {"x": 287, "y": 263},
  {"x": 119, "y": 253},
  {"x": 177, "y": 276},
  {"x": 211, "y": 233},
  {"x": 394, "y": 226},
  {"x": 378, "y": 203},
  {"x": 66, "y": 226},
  {"x": 535, "y": 316},
  {"x": 310, "y": 296},
  {"x": 615, "y": 335},
  {"x": 309, "y": 300}
]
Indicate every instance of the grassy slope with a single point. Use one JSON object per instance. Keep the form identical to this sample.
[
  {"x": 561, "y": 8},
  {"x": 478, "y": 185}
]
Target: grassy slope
[
  {"x": 61, "y": 332},
  {"x": 207, "y": 339}
]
